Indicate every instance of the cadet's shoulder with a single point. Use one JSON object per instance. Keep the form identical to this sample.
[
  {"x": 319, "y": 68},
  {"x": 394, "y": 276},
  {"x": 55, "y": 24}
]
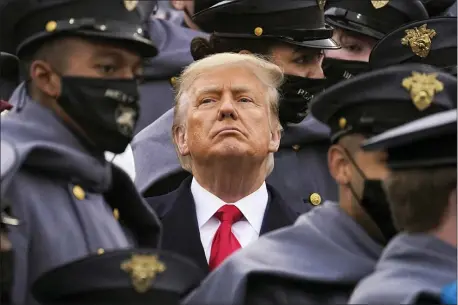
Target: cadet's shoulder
[
  {"x": 9, "y": 158},
  {"x": 382, "y": 287}
]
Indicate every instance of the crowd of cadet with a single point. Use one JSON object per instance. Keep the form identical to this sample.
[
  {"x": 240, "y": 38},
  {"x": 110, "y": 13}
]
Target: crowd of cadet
[{"x": 238, "y": 152}]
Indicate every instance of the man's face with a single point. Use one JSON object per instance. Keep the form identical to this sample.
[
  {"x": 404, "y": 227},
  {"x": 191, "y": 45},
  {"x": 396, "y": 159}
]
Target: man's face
[
  {"x": 344, "y": 171},
  {"x": 102, "y": 60},
  {"x": 372, "y": 164},
  {"x": 304, "y": 62},
  {"x": 228, "y": 116},
  {"x": 354, "y": 47}
]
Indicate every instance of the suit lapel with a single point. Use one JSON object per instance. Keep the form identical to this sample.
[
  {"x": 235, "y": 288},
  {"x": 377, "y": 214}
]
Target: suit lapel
[
  {"x": 277, "y": 214},
  {"x": 181, "y": 231}
]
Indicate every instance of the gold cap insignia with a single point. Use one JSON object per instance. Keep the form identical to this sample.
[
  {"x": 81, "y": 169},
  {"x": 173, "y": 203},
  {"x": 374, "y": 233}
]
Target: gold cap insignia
[
  {"x": 379, "y": 3},
  {"x": 321, "y": 4},
  {"x": 422, "y": 88},
  {"x": 258, "y": 31},
  {"x": 130, "y": 5},
  {"x": 419, "y": 39},
  {"x": 143, "y": 270}
]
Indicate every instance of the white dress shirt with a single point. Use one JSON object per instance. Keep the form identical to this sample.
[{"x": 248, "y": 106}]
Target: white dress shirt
[
  {"x": 125, "y": 161},
  {"x": 246, "y": 230}
]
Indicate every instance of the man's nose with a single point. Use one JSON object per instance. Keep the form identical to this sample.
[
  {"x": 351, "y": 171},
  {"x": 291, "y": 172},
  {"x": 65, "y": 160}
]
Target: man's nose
[
  {"x": 315, "y": 71},
  {"x": 227, "y": 108}
]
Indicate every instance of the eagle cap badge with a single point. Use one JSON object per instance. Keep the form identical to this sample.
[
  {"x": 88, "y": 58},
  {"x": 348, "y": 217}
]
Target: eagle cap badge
[
  {"x": 130, "y": 5},
  {"x": 379, "y": 3},
  {"x": 143, "y": 270},
  {"x": 422, "y": 88},
  {"x": 419, "y": 39}
]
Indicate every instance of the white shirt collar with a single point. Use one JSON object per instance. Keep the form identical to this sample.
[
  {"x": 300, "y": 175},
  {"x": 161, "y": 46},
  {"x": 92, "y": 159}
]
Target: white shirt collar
[{"x": 252, "y": 206}]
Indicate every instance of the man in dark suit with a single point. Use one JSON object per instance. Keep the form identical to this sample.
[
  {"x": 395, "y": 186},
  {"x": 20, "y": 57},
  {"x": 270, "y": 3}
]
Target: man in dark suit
[{"x": 225, "y": 131}]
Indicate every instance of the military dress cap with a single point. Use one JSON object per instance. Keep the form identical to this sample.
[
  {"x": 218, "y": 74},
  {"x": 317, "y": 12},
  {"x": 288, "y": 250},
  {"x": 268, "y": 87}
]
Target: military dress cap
[
  {"x": 430, "y": 42},
  {"x": 374, "y": 102},
  {"x": 297, "y": 22},
  {"x": 427, "y": 142},
  {"x": 374, "y": 18},
  {"x": 26, "y": 23},
  {"x": 130, "y": 276}
]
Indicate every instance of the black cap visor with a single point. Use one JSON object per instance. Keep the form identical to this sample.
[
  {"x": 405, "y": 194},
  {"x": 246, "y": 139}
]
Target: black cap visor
[{"x": 131, "y": 36}]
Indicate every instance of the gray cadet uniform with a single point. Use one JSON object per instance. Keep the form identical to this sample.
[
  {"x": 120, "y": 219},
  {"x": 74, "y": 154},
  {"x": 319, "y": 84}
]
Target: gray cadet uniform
[
  {"x": 66, "y": 196},
  {"x": 418, "y": 263},
  {"x": 321, "y": 258},
  {"x": 301, "y": 173}
]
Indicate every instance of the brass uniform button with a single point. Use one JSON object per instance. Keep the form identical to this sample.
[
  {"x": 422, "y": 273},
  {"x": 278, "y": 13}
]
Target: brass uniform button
[
  {"x": 116, "y": 214},
  {"x": 173, "y": 80},
  {"x": 51, "y": 26},
  {"x": 258, "y": 31},
  {"x": 100, "y": 251},
  {"x": 315, "y": 199},
  {"x": 78, "y": 192},
  {"x": 296, "y": 147}
]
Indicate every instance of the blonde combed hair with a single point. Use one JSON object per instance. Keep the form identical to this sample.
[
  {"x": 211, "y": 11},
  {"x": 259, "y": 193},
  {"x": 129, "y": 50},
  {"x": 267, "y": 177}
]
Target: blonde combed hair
[{"x": 270, "y": 75}]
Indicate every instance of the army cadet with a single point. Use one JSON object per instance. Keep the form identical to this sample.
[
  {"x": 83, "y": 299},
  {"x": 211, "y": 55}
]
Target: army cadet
[
  {"x": 321, "y": 258},
  {"x": 276, "y": 29},
  {"x": 359, "y": 24},
  {"x": 431, "y": 42},
  {"x": 137, "y": 277},
  {"x": 421, "y": 189},
  {"x": 80, "y": 100}
]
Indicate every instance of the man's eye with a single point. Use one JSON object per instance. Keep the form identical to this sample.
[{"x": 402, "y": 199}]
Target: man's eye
[
  {"x": 207, "y": 101},
  {"x": 353, "y": 48},
  {"x": 245, "y": 100},
  {"x": 106, "y": 69}
]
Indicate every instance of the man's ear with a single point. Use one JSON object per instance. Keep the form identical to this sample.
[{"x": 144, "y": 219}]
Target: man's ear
[
  {"x": 245, "y": 52},
  {"x": 177, "y": 4},
  {"x": 45, "y": 79},
  {"x": 181, "y": 139},
  {"x": 275, "y": 137},
  {"x": 339, "y": 165}
]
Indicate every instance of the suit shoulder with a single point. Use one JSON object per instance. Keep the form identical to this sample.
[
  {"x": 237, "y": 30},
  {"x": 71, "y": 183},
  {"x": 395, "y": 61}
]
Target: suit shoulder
[
  {"x": 279, "y": 199},
  {"x": 9, "y": 158},
  {"x": 163, "y": 203}
]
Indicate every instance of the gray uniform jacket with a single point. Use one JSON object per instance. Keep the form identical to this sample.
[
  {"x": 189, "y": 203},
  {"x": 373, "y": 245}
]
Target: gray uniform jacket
[
  {"x": 301, "y": 167},
  {"x": 64, "y": 197},
  {"x": 318, "y": 260},
  {"x": 411, "y": 264}
]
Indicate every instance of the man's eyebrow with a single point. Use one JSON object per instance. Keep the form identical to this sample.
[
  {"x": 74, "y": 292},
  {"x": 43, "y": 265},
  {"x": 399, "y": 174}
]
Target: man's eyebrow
[{"x": 218, "y": 89}]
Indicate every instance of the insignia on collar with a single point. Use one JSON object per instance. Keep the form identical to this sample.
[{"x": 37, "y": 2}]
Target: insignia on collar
[
  {"x": 321, "y": 4},
  {"x": 422, "y": 88},
  {"x": 143, "y": 270},
  {"x": 379, "y": 3},
  {"x": 130, "y": 5},
  {"x": 419, "y": 39}
]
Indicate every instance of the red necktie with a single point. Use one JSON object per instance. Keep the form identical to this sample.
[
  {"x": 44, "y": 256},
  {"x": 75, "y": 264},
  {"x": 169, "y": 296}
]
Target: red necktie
[{"x": 224, "y": 242}]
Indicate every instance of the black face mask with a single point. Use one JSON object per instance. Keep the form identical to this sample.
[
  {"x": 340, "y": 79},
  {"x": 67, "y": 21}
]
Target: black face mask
[
  {"x": 6, "y": 276},
  {"x": 337, "y": 70},
  {"x": 106, "y": 109},
  {"x": 375, "y": 203},
  {"x": 296, "y": 94}
]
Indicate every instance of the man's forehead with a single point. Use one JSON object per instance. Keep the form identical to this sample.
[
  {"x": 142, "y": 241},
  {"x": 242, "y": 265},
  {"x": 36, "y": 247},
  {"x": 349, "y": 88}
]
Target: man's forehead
[{"x": 235, "y": 86}]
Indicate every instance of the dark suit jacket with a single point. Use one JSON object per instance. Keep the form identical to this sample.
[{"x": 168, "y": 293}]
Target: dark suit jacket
[{"x": 181, "y": 233}]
